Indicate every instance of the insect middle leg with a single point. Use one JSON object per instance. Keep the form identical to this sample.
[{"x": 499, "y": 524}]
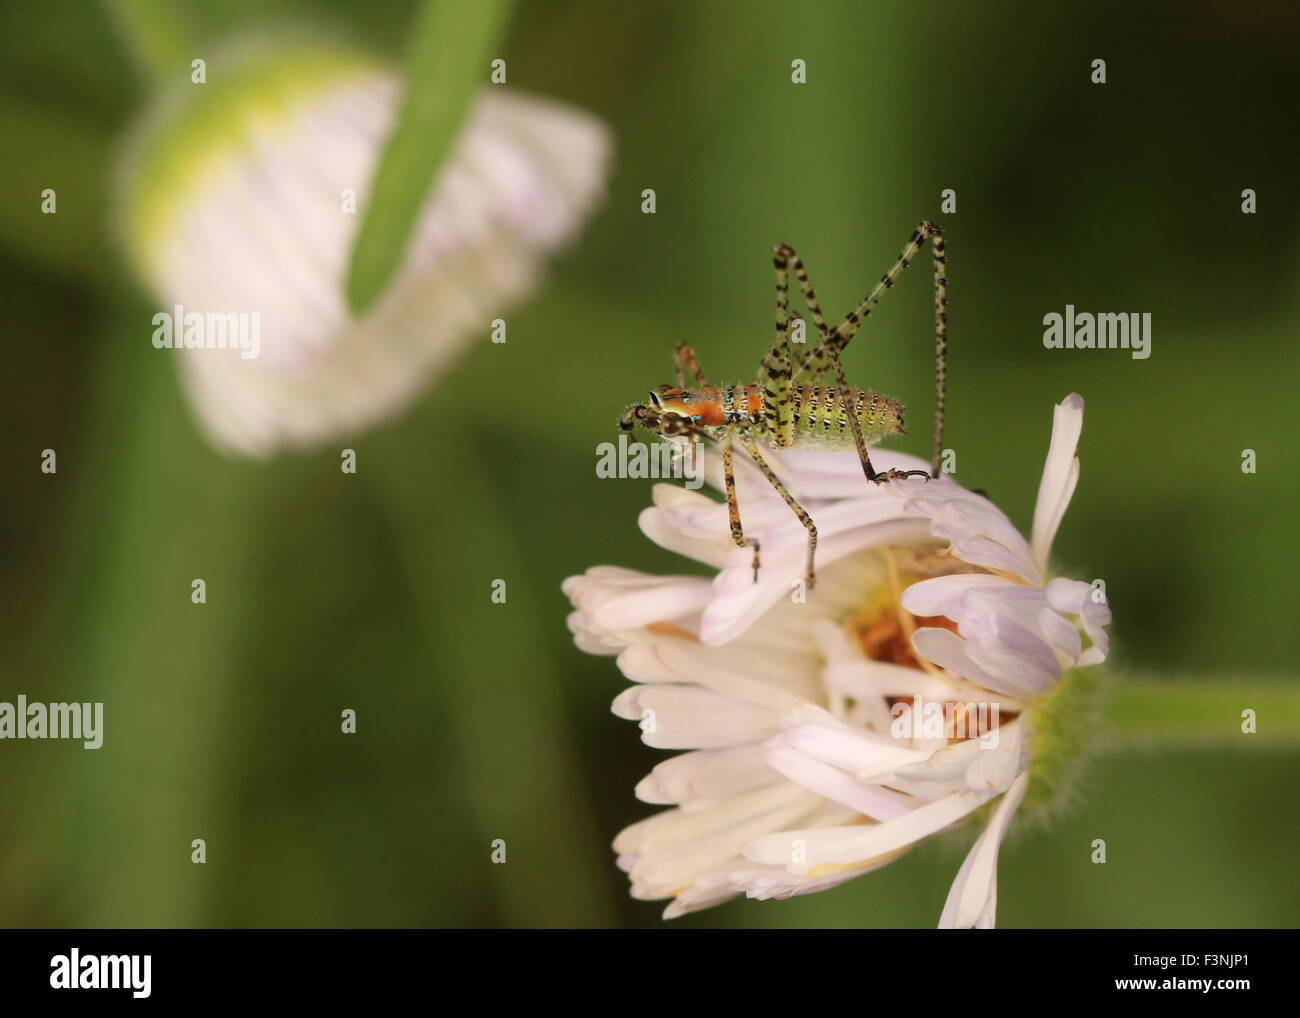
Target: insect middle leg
[
  {"x": 733, "y": 507},
  {"x": 752, "y": 448},
  {"x": 855, "y": 425},
  {"x": 826, "y": 356}
]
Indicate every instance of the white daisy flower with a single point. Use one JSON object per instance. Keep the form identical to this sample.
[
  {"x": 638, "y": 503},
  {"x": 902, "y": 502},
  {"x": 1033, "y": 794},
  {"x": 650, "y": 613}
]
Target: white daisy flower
[
  {"x": 806, "y": 766},
  {"x": 239, "y": 201}
]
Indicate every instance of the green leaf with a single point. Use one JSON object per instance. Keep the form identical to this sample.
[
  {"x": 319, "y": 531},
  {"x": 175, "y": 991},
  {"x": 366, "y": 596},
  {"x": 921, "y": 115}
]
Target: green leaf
[{"x": 449, "y": 60}]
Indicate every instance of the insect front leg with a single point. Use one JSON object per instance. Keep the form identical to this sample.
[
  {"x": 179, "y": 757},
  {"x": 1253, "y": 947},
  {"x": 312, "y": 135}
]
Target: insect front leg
[
  {"x": 826, "y": 355},
  {"x": 733, "y": 507},
  {"x": 752, "y": 448},
  {"x": 684, "y": 359}
]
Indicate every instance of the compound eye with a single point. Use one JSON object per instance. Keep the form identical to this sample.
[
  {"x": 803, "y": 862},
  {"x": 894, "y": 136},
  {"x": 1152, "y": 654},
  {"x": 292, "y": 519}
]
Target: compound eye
[{"x": 672, "y": 424}]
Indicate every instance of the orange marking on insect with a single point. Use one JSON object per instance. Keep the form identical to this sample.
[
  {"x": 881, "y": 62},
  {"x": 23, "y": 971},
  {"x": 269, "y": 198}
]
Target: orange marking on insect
[{"x": 707, "y": 406}]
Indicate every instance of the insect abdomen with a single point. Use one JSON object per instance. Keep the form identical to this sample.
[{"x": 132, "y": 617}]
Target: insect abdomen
[{"x": 820, "y": 417}]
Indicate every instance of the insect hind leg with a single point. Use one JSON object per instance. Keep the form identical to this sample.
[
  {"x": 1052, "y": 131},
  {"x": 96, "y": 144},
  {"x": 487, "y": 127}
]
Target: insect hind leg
[
  {"x": 825, "y": 356},
  {"x": 774, "y": 372}
]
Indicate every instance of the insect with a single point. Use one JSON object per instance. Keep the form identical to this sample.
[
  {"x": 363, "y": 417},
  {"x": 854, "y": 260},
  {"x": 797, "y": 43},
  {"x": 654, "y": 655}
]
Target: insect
[{"x": 786, "y": 405}]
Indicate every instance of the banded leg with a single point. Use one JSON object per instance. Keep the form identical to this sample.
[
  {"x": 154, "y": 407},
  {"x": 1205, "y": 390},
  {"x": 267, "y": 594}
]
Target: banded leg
[
  {"x": 774, "y": 370},
  {"x": 752, "y": 448},
  {"x": 733, "y": 507},
  {"x": 786, "y": 252},
  {"x": 855, "y": 425},
  {"x": 774, "y": 373},
  {"x": 816, "y": 362},
  {"x": 684, "y": 359}
]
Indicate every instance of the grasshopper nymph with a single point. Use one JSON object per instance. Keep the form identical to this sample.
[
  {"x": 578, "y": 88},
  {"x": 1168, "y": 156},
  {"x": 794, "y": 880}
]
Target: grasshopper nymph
[{"x": 786, "y": 405}]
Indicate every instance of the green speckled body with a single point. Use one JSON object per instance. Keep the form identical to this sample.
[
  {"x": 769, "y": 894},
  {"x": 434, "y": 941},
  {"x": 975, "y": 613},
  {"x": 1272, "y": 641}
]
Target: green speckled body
[{"x": 817, "y": 415}]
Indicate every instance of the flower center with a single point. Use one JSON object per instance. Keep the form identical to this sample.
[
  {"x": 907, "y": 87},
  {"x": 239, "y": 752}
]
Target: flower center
[{"x": 882, "y": 629}]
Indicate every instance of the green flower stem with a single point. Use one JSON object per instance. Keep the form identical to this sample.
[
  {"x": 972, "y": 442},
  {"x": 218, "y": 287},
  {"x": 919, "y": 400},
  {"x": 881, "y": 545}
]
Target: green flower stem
[
  {"x": 1184, "y": 712},
  {"x": 150, "y": 511},
  {"x": 159, "y": 36},
  {"x": 449, "y": 61},
  {"x": 493, "y": 665}
]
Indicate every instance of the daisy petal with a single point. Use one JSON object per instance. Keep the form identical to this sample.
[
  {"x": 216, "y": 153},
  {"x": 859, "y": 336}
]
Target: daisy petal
[
  {"x": 973, "y": 898},
  {"x": 1060, "y": 475}
]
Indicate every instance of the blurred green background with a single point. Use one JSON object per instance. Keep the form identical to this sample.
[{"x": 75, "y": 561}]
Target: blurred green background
[{"x": 480, "y": 721}]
